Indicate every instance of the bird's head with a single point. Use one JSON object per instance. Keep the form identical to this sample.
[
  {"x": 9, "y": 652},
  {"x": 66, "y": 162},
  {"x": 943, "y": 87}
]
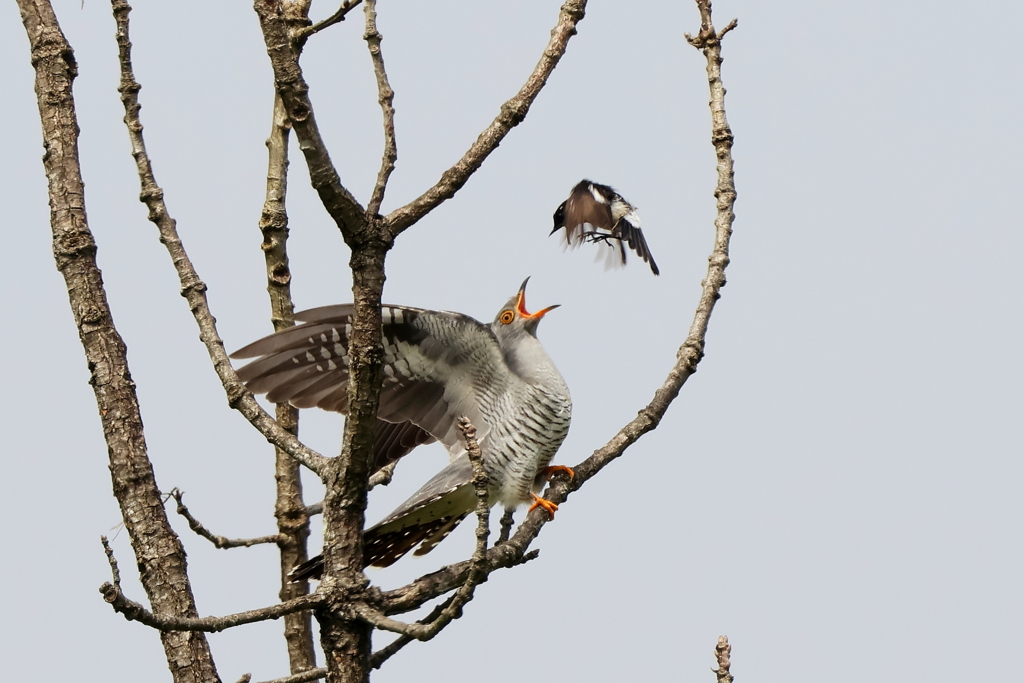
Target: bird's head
[
  {"x": 513, "y": 319},
  {"x": 559, "y": 219}
]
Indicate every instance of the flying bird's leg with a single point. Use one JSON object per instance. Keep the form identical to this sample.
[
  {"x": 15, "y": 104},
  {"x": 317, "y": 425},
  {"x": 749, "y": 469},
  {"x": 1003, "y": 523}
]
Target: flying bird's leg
[
  {"x": 595, "y": 237},
  {"x": 539, "y": 502}
]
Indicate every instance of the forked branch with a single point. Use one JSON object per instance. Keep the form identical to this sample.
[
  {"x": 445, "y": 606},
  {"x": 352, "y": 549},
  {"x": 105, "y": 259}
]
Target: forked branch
[
  {"x": 723, "y": 651},
  {"x": 386, "y": 97},
  {"x": 218, "y": 541},
  {"x": 476, "y": 572},
  {"x": 192, "y": 288},
  {"x": 133, "y": 611},
  {"x": 339, "y": 15},
  {"x": 689, "y": 355},
  {"x": 512, "y": 114},
  {"x": 347, "y": 213}
]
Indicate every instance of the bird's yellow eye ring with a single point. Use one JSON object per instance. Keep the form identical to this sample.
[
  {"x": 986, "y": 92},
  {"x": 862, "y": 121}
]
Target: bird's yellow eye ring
[{"x": 506, "y": 317}]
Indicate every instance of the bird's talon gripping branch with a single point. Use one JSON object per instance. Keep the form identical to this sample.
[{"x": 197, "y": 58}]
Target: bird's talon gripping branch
[
  {"x": 547, "y": 505},
  {"x": 550, "y": 472}
]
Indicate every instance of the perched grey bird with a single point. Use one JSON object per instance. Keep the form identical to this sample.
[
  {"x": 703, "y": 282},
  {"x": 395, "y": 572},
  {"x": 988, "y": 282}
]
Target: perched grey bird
[
  {"x": 611, "y": 218},
  {"x": 438, "y": 366}
]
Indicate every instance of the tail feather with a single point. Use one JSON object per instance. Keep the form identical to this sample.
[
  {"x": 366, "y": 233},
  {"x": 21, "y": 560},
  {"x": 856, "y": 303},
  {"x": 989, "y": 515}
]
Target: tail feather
[{"x": 384, "y": 549}]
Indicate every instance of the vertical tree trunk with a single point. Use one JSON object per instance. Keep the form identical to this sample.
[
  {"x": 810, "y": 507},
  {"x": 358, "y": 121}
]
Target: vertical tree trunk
[{"x": 158, "y": 551}]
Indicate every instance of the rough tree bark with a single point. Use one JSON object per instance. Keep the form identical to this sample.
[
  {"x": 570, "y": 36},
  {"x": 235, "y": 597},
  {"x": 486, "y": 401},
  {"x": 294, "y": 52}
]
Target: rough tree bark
[
  {"x": 345, "y": 606},
  {"x": 158, "y": 551}
]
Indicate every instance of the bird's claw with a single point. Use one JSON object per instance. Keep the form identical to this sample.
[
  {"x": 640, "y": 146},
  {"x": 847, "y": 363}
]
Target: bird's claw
[
  {"x": 547, "y": 505},
  {"x": 549, "y": 472}
]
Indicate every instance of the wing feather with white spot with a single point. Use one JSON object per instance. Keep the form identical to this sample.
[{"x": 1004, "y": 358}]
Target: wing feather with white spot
[{"x": 438, "y": 366}]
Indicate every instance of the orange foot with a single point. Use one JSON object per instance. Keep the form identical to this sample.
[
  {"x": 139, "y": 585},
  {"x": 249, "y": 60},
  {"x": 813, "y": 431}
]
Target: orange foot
[
  {"x": 539, "y": 502},
  {"x": 550, "y": 472}
]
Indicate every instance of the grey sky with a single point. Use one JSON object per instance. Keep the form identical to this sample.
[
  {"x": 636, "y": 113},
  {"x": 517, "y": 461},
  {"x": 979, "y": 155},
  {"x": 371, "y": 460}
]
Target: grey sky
[{"x": 837, "y": 488}]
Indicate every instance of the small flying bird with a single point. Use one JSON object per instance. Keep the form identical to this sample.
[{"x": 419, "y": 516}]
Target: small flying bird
[{"x": 612, "y": 220}]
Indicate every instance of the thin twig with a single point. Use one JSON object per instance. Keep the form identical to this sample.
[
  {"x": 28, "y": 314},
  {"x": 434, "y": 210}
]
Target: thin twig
[
  {"x": 689, "y": 355},
  {"x": 477, "y": 571},
  {"x": 386, "y": 97},
  {"x": 383, "y": 476},
  {"x": 512, "y": 114},
  {"x": 378, "y": 658},
  {"x": 507, "y": 521},
  {"x": 291, "y": 85},
  {"x": 722, "y": 653},
  {"x": 245, "y": 678},
  {"x": 115, "y": 573},
  {"x": 192, "y": 288},
  {"x": 133, "y": 611},
  {"x": 289, "y": 507},
  {"x": 218, "y": 541},
  {"x": 302, "y": 676},
  {"x": 339, "y": 16}
]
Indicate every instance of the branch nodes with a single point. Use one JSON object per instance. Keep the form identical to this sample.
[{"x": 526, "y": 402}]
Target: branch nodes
[
  {"x": 511, "y": 114},
  {"x": 722, "y": 653},
  {"x": 476, "y": 573},
  {"x": 133, "y": 611},
  {"x": 301, "y": 677},
  {"x": 192, "y": 288},
  {"x": 115, "y": 573},
  {"x": 300, "y": 37},
  {"x": 514, "y": 551},
  {"x": 219, "y": 541},
  {"x": 386, "y": 97},
  {"x": 707, "y": 37}
]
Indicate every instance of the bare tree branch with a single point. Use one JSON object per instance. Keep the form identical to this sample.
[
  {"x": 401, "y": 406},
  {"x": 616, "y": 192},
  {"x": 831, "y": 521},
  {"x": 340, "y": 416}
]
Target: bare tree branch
[
  {"x": 688, "y": 356},
  {"x": 291, "y": 86},
  {"x": 346, "y": 6},
  {"x": 723, "y": 650},
  {"x": 133, "y": 611},
  {"x": 158, "y": 551},
  {"x": 391, "y": 649},
  {"x": 507, "y": 521},
  {"x": 112, "y": 561},
  {"x": 289, "y": 507},
  {"x": 477, "y": 571},
  {"x": 512, "y": 114},
  {"x": 386, "y": 97},
  {"x": 381, "y": 477},
  {"x": 192, "y": 288},
  {"x": 218, "y": 541},
  {"x": 345, "y": 477},
  {"x": 302, "y": 676}
]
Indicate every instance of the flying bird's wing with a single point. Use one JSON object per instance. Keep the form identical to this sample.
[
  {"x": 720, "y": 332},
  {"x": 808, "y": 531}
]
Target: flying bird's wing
[
  {"x": 613, "y": 222},
  {"x": 627, "y": 229},
  {"x": 583, "y": 206},
  {"x": 438, "y": 366}
]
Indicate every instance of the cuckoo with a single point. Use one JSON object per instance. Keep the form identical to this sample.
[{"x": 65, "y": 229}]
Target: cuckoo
[
  {"x": 612, "y": 220},
  {"x": 438, "y": 366}
]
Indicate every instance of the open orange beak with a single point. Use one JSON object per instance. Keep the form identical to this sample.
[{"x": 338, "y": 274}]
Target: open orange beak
[{"x": 521, "y": 305}]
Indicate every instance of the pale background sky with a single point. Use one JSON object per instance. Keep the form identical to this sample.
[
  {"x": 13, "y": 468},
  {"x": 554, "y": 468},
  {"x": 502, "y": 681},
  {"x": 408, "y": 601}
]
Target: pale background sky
[{"x": 838, "y": 488}]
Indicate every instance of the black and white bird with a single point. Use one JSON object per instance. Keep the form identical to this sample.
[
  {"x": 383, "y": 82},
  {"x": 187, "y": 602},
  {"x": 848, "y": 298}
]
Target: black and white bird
[
  {"x": 613, "y": 221},
  {"x": 438, "y": 366}
]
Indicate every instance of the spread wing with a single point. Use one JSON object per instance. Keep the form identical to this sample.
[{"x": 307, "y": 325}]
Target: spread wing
[
  {"x": 581, "y": 207},
  {"x": 438, "y": 366},
  {"x": 628, "y": 230}
]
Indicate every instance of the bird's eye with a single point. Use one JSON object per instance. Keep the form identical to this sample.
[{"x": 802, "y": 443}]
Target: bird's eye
[{"x": 506, "y": 317}]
